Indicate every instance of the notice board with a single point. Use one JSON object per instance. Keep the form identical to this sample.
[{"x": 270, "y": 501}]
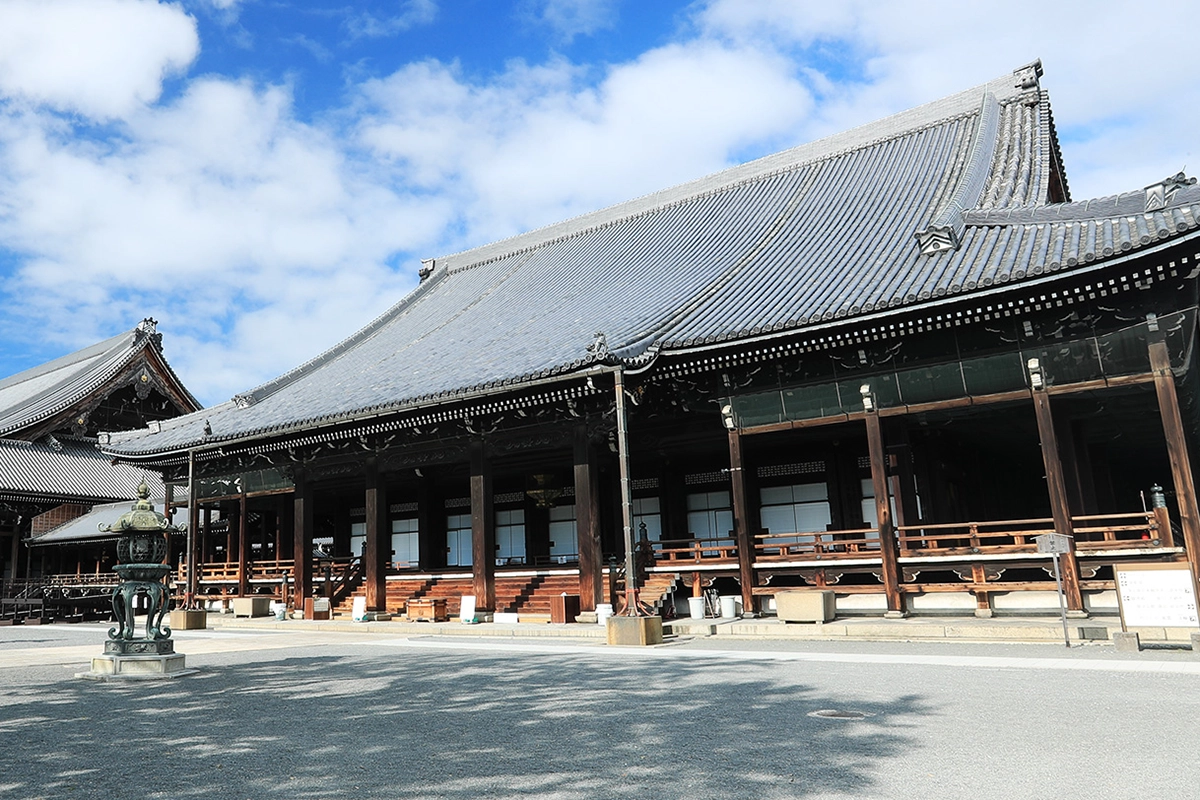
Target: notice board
[{"x": 1156, "y": 595}]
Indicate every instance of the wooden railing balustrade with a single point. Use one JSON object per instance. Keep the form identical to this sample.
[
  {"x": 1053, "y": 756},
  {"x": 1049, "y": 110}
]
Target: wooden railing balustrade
[
  {"x": 694, "y": 551},
  {"x": 827, "y": 544},
  {"x": 1134, "y": 530}
]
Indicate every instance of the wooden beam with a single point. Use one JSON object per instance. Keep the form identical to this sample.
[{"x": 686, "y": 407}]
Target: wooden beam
[
  {"x": 1056, "y": 486},
  {"x": 1177, "y": 450},
  {"x": 947, "y": 405},
  {"x": 377, "y": 532},
  {"x": 302, "y": 538},
  {"x": 587, "y": 522},
  {"x": 741, "y": 522},
  {"x": 883, "y": 512},
  {"x": 483, "y": 530}
]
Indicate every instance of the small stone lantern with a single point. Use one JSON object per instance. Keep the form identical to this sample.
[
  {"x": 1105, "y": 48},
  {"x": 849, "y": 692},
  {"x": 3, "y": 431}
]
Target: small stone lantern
[{"x": 141, "y": 550}]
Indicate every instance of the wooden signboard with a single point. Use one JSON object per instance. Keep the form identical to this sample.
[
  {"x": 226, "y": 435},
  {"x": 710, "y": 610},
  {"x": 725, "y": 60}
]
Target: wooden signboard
[{"x": 1156, "y": 595}]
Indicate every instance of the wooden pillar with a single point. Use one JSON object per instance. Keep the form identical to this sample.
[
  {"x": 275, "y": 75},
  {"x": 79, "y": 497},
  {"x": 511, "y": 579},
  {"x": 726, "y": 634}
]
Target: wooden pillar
[
  {"x": 903, "y": 478},
  {"x": 243, "y": 538},
  {"x": 883, "y": 511},
  {"x": 202, "y": 553},
  {"x": 378, "y": 530},
  {"x": 302, "y": 538},
  {"x": 1056, "y": 485},
  {"x": 741, "y": 522},
  {"x": 431, "y": 525},
  {"x": 1177, "y": 450},
  {"x": 483, "y": 530},
  {"x": 587, "y": 523}
]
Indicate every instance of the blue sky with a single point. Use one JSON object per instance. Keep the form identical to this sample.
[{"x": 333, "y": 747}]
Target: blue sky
[{"x": 263, "y": 176}]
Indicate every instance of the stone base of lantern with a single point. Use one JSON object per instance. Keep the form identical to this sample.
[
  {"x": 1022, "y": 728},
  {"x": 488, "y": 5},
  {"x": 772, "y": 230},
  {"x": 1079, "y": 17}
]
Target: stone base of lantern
[{"x": 137, "y": 660}]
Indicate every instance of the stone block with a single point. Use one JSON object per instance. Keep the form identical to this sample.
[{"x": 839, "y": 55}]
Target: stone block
[
  {"x": 188, "y": 620},
  {"x": 1196, "y": 644},
  {"x": 635, "y": 631},
  {"x": 1126, "y": 642},
  {"x": 251, "y": 606},
  {"x": 802, "y": 606}
]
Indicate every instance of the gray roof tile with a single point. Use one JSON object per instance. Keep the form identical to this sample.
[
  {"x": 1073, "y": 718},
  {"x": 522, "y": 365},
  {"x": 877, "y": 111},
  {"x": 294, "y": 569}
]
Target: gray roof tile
[{"x": 821, "y": 232}]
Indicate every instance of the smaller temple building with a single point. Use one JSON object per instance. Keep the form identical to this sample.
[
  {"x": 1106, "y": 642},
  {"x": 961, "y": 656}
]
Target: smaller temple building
[{"x": 52, "y": 475}]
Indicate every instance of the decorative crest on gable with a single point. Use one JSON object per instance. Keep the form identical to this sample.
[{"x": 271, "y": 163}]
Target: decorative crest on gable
[
  {"x": 1159, "y": 195},
  {"x": 427, "y": 265},
  {"x": 936, "y": 239}
]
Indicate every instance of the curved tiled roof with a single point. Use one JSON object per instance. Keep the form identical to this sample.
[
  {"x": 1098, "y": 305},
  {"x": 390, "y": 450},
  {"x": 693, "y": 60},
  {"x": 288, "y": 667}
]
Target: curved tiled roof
[
  {"x": 818, "y": 233},
  {"x": 65, "y": 470},
  {"x": 38, "y": 394}
]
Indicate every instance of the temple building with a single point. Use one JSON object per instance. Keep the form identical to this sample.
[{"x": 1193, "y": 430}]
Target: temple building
[
  {"x": 880, "y": 363},
  {"x": 51, "y": 473}
]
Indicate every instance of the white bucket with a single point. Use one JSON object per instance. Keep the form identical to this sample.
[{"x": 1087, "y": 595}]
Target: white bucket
[
  {"x": 729, "y": 606},
  {"x": 696, "y": 607},
  {"x": 603, "y": 612}
]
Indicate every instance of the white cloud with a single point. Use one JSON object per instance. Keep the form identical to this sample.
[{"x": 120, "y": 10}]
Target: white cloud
[
  {"x": 99, "y": 58},
  {"x": 211, "y": 213},
  {"x": 571, "y": 18},
  {"x": 412, "y": 13},
  {"x": 538, "y": 143}
]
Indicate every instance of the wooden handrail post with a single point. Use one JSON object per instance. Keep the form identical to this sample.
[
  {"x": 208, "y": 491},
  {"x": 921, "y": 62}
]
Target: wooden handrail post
[
  {"x": 483, "y": 529},
  {"x": 302, "y": 535},
  {"x": 883, "y": 512},
  {"x": 741, "y": 522},
  {"x": 377, "y": 532},
  {"x": 1057, "y": 488},
  {"x": 587, "y": 521},
  {"x": 243, "y": 576}
]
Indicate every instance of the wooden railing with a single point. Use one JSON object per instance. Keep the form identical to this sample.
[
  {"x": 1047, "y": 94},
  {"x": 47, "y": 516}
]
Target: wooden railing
[
  {"x": 224, "y": 572},
  {"x": 1135, "y": 530},
  {"x": 1132, "y": 531},
  {"x": 854, "y": 543},
  {"x": 695, "y": 551}
]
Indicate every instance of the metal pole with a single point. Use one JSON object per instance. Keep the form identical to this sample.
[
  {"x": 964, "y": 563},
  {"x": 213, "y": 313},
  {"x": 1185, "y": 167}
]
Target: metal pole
[
  {"x": 1062, "y": 603},
  {"x": 631, "y": 587}
]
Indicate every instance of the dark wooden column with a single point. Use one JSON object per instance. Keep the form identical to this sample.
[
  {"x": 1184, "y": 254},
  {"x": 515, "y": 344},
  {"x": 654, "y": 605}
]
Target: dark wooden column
[
  {"x": 587, "y": 523},
  {"x": 302, "y": 538},
  {"x": 741, "y": 522},
  {"x": 431, "y": 521},
  {"x": 483, "y": 530},
  {"x": 243, "y": 540},
  {"x": 378, "y": 532},
  {"x": 1177, "y": 450},
  {"x": 883, "y": 511},
  {"x": 903, "y": 479},
  {"x": 1056, "y": 485}
]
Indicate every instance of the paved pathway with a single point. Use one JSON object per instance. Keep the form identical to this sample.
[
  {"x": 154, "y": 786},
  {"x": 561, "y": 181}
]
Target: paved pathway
[{"x": 305, "y": 713}]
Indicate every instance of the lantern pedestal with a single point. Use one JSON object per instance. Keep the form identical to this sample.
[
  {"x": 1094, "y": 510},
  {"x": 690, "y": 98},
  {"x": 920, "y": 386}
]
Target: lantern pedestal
[{"x": 137, "y": 659}]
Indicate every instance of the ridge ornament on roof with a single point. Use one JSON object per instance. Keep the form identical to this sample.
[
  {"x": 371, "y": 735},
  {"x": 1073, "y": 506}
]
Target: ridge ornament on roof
[{"x": 1159, "y": 195}]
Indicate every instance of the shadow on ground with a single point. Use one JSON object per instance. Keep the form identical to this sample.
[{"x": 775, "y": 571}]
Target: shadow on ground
[{"x": 408, "y": 723}]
